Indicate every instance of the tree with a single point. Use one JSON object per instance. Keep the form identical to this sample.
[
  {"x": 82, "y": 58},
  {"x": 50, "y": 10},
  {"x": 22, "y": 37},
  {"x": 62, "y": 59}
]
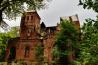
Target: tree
[
  {"x": 66, "y": 43},
  {"x": 12, "y": 8},
  {"x": 89, "y": 36},
  {"x": 4, "y": 37},
  {"x": 39, "y": 54},
  {"x": 89, "y": 43},
  {"x": 89, "y": 4}
]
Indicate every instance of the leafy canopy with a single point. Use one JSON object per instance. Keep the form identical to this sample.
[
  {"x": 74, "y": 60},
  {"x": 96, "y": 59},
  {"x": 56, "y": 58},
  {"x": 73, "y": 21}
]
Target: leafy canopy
[
  {"x": 11, "y": 8},
  {"x": 89, "y": 4},
  {"x": 89, "y": 43},
  {"x": 66, "y": 42},
  {"x": 4, "y": 37}
]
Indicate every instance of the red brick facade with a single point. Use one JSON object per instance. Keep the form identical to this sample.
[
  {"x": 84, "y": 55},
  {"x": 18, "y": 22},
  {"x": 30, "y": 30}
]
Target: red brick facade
[{"x": 32, "y": 34}]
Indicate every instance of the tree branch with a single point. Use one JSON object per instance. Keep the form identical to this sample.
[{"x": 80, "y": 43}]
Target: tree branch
[
  {"x": 5, "y": 5},
  {"x": 4, "y": 8},
  {"x": 1, "y": 1}
]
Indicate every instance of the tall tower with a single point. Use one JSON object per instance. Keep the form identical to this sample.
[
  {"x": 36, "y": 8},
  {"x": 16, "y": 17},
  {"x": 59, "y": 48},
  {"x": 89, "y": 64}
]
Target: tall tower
[
  {"x": 29, "y": 38},
  {"x": 30, "y": 25}
]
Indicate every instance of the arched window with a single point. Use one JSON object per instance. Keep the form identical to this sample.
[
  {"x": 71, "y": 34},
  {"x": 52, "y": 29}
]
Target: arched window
[
  {"x": 27, "y": 51},
  {"x": 12, "y": 53}
]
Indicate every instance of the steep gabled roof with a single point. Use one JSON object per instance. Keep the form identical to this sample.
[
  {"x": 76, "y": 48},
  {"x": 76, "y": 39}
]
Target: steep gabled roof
[{"x": 43, "y": 25}]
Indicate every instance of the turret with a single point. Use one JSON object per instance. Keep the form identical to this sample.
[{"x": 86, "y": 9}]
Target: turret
[{"x": 30, "y": 24}]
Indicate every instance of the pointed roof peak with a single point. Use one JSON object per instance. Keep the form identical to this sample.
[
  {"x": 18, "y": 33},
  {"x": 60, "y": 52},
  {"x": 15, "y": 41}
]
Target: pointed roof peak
[{"x": 43, "y": 24}]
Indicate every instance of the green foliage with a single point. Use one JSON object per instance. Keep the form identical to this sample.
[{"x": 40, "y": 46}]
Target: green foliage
[
  {"x": 89, "y": 38},
  {"x": 67, "y": 36},
  {"x": 15, "y": 7},
  {"x": 39, "y": 54},
  {"x": 4, "y": 37},
  {"x": 89, "y": 4},
  {"x": 75, "y": 63},
  {"x": 39, "y": 51},
  {"x": 66, "y": 41},
  {"x": 9, "y": 9},
  {"x": 89, "y": 43},
  {"x": 20, "y": 63},
  {"x": 14, "y": 32}
]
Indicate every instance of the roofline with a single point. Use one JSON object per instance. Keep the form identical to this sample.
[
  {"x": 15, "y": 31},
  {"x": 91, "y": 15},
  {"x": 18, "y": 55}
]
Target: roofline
[{"x": 32, "y": 11}]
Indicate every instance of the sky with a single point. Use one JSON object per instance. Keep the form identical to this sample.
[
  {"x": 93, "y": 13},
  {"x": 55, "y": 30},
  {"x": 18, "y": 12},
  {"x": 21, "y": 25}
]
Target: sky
[{"x": 58, "y": 8}]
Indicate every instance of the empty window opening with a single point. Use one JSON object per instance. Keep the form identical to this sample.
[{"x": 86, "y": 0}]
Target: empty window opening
[{"x": 27, "y": 51}]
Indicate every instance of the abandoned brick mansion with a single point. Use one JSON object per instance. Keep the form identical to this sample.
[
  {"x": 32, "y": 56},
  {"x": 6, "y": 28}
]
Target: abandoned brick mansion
[{"x": 32, "y": 34}]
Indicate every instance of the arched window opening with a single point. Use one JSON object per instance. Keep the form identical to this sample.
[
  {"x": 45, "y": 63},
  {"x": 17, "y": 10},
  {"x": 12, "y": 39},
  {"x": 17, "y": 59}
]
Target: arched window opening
[
  {"x": 12, "y": 55},
  {"x": 27, "y": 51}
]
